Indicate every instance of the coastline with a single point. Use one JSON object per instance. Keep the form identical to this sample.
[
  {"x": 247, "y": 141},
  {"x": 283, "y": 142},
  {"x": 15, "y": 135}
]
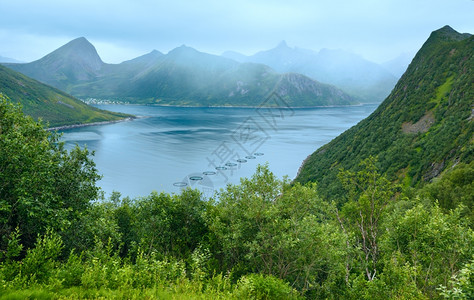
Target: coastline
[
  {"x": 302, "y": 164},
  {"x": 89, "y": 124},
  {"x": 228, "y": 106}
]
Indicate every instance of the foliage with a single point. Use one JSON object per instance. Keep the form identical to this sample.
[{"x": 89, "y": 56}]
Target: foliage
[
  {"x": 454, "y": 188},
  {"x": 462, "y": 284},
  {"x": 435, "y": 244},
  {"x": 41, "y": 184},
  {"x": 263, "y": 225},
  {"x": 369, "y": 194},
  {"x": 265, "y": 238},
  {"x": 171, "y": 224},
  {"x": 262, "y": 239},
  {"x": 261, "y": 287},
  {"x": 41, "y": 260}
]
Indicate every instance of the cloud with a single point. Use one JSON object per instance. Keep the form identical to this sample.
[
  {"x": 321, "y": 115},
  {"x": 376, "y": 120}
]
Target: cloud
[{"x": 376, "y": 29}]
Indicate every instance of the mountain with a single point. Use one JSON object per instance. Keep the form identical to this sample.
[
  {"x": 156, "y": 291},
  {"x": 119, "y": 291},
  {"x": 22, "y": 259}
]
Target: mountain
[
  {"x": 112, "y": 78},
  {"x": 134, "y": 66},
  {"x": 399, "y": 64},
  {"x": 72, "y": 64},
  {"x": 8, "y": 60},
  {"x": 186, "y": 73},
  {"x": 235, "y": 56},
  {"x": 146, "y": 59},
  {"x": 184, "y": 76},
  {"x": 423, "y": 128},
  {"x": 361, "y": 78},
  {"x": 50, "y": 104}
]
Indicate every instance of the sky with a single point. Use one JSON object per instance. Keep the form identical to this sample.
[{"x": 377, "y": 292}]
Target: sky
[{"x": 378, "y": 30}]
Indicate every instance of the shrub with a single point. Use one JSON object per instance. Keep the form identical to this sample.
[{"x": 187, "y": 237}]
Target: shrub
[{"x": 262, "y": 287}]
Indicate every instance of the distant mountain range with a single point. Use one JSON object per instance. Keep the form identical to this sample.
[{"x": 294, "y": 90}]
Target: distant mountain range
[
  {"x": 425, "y": 126},
  {"x": 52, "y": 105},
  {"x": 367, "y": 81},
  {"x": 184, "y": 76},
  {"x": 4, "y": 59}
]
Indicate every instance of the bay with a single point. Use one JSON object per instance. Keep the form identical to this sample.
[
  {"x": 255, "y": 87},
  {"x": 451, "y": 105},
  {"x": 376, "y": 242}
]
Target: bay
[{"x": 170, "y": 148}]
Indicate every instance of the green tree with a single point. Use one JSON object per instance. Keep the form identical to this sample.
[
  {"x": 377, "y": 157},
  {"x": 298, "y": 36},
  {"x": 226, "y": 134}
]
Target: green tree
[
  {"x": 264, "y": 225},
  {"x": 454, "y": 188},
  {"x": 171, "y": 224},
  {"x": 369, "y": 193},
  {"x": 41, "y": 184},
  {"x": 462, "y": 284},
  {"x": 434, "y": 244}
]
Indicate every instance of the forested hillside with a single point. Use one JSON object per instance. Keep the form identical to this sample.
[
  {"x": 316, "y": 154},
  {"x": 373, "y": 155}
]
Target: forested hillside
[
  {"x": 423, "y": 128},
  {"x": 52, "y": 105}
]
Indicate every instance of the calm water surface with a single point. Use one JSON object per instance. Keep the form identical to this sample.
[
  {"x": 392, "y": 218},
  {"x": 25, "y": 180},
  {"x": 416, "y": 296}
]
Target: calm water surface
[{"x": 206, "y": 148}]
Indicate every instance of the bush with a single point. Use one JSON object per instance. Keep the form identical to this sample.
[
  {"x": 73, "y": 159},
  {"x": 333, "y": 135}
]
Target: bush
[
  {"x": 40, "y": 261},
  {"x": 262, "y": 287}
]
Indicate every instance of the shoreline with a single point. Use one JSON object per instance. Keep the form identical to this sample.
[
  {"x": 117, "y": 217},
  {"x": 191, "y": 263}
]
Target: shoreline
[
  {"x": 190, "y": 106},
  {"x": 225, "y": 106},
  {"x": 304, "y": 161},
  {"x": 89, "y": 124}
]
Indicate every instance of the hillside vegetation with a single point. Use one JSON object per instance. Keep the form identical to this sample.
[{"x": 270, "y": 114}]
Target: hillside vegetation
[
  {"x": 423, "y": 128},
  {"x": 52, "y": 105},
  {"x": 261, "y": 239}
]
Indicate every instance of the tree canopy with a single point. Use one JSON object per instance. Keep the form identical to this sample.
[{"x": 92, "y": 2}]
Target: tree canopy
[{"x": 41, "y": 184}]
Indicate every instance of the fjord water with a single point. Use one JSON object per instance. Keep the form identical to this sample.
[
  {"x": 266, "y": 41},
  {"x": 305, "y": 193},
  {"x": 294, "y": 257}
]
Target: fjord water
[{"x": 168, "y": 148}]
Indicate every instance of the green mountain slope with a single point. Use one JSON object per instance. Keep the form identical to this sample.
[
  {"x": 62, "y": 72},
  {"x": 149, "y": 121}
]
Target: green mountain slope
[
  {"x": 184, "y": 76},
  {"x": 50, "y": 104},
  {"x": 424, "y": 127}
]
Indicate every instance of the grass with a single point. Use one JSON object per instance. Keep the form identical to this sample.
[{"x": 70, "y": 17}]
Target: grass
[{"x": 443, "y": 90}]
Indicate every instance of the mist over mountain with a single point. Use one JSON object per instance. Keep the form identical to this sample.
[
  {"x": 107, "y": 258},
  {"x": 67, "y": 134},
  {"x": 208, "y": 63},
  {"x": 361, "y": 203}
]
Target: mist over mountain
[
  {"x": 184, "y": 76},
  {"x": 355, "y": 75}
]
